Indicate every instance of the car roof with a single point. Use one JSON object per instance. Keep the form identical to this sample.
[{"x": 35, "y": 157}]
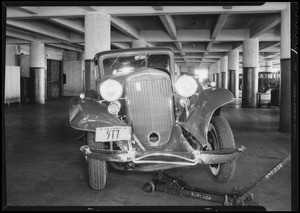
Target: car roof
[{"x": 132, "y": 50}]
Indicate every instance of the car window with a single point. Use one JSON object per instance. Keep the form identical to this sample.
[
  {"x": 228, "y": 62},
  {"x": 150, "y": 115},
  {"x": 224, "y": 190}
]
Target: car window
[{"x": 127, "y": 64}]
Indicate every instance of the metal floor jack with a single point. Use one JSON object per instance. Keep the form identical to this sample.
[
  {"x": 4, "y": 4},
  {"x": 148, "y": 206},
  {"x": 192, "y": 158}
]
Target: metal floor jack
[{"x": 176, "y": 185}]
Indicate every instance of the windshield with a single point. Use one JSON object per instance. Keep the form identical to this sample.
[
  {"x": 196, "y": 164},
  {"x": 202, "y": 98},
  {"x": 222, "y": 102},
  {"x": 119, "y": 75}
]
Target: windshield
[{"x": 127, "y": 64}]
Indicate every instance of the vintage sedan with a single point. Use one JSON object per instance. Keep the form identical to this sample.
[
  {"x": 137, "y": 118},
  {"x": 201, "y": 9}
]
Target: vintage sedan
[{"x": 141, "y": 115}]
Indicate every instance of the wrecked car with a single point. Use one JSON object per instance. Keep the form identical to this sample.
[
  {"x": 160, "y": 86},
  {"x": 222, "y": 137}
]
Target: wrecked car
[{"x": 141, "y": 115}]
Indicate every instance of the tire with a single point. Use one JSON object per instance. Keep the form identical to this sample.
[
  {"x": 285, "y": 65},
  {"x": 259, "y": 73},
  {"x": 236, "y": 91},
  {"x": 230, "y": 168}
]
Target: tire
[
  {"x": 220, "y": 137},
  {"x": 97, "y": 169}
]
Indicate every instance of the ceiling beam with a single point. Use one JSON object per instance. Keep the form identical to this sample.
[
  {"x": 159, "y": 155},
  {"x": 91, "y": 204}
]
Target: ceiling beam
[
  {"x": 13, "y": 40},
  {"x": 161, "y": 36},
  {"x": 40, "y": 29},
  {"x": 169, "y": 25},
  {"x": 66, "y": 47},
  {"x": 203, "y": 35},
  {"x": 19, "y": 34},
  {"x": 209, "y": 61},
  {"x": 237, "y": 45},
  {"x": 68, "y": 11},
  {"x": 263, "y": 46},
  {"x": 227, "y": 7},
  {"x": 126, "y": 28},
  {"x": 264, "y": 25},
  {"x": 149, "y": 44},
  {"x": 76, "y": 26},
  {"x": 218, "y": 26},
  {"x": 208, "y": 47},
  {"x": 180, "y": 49},
  {"x": 121, "y": 45},
  {"x": 189, "y": 51},
  {"x": 215, "y": 32},
  {"x": 15, "y": 33},
  {"x": 207, "y": 50},
  {"x": 90, "y": 8},
  {"x": 189, "y": 57},
  {"x": 158, "y": 8},
  {"x": 30, "y": 10},
  {"x": 179, "y": 46},
  {"x": 271, "y": 55}
]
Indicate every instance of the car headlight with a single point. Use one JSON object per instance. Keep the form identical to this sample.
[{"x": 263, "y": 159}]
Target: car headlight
[
  {"x": 111, "y": 90},
  {"x": 186, "y": 86},
  {"x": 213, "y": 84}
]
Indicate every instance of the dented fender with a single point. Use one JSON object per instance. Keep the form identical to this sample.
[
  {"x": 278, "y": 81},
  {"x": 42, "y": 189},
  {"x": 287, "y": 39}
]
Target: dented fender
[
  {"x": 202, "y": 106},
  {"x": 87, "y": 114}
]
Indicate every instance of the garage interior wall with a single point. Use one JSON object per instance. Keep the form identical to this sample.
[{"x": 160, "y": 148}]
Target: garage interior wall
[{"x": 71, "y": 65}]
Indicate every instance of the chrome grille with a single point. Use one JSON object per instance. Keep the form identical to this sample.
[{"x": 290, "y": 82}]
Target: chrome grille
[{"x": 150, "y": 106}]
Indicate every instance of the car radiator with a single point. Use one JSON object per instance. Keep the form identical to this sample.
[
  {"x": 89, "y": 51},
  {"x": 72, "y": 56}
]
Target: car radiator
[{"x": 150, "y": 108}]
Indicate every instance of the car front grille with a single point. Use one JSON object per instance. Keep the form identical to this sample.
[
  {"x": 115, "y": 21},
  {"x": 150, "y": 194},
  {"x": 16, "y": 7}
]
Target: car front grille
[{"x": 150, "y": 107}]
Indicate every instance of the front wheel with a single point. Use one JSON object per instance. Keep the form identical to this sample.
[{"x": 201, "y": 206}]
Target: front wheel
[
  {"x": 220, "y": 137},
  {"x": 97, "y": 168}
]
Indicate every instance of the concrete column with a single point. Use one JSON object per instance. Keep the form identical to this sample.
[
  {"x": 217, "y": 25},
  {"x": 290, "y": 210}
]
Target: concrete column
[
  {"x": 268, "y": 66},
  {"x": 210, "y": 74},
  {"x": 25, "y": 77},
  {"x": 223, "y": 71},
  {"x": 97, "y": 39},
  {"x": 285, "y": 64},
  {"x": 233, "y": 72},
  {"x": 217, "y": 72},
  {"x": 37, "y": 73},
  {"x": 250, "y": 73},
  {"x": 138, "y": 43}
]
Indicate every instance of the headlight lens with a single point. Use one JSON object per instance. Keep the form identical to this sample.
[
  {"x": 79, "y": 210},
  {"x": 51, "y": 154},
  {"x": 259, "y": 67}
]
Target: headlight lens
[
  {"x": 186, "y": 86},
  {"x": 111, "y": 90}
]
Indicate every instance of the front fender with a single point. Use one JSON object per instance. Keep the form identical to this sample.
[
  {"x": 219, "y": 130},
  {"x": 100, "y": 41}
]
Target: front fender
[
  {"x": 201, "y": 110},
  {"x": 87, "y": 114}
]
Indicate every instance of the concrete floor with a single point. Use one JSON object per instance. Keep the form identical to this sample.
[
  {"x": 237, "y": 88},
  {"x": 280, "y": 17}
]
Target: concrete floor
[{"x": 44, "y": 166}]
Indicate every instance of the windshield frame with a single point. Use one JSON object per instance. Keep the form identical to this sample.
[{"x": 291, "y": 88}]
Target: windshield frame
[{"x": 100, "y": 57}]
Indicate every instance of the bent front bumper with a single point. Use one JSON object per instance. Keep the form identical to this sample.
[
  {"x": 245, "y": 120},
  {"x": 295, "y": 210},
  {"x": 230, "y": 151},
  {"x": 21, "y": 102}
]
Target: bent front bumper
[{"x": 156, "y": 157}]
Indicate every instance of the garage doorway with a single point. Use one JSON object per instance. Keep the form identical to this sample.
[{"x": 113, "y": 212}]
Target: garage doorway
[{"x": 54, "y": 78}]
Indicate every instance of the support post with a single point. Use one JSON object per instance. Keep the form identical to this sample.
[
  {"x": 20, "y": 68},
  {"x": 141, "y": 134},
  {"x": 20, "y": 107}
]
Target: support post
[
  {"x": 233, "y": 72},
  {"x": 97, "y": 39},
  {"x": 250, "y": 73},
  {"x": 285, "y": 64},
  {"x": 223, "y": 71},
  {"x": 37, "y": 91}
]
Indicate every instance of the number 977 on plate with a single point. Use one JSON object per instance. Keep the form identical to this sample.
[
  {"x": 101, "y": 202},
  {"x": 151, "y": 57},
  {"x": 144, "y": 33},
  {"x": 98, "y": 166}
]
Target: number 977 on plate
[{"x": 113, "y": 133}]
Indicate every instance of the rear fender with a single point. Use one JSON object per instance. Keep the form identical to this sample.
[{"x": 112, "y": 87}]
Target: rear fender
[
  {"x": 87, "y": 114},
  {"x": 201, "y": 110}
]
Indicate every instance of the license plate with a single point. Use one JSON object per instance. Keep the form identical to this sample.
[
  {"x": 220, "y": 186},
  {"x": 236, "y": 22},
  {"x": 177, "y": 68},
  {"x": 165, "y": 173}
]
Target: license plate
[{"x": 113, "y": 133}]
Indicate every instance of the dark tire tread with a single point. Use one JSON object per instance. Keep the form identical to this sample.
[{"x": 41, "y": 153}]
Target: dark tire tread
[
  {"x": 226, "y": 141},
  {"x": 97, "y": 168}
]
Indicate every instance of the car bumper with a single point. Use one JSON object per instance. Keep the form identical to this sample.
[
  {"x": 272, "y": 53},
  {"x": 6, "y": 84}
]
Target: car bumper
[{"x": 164, "y": 157}]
